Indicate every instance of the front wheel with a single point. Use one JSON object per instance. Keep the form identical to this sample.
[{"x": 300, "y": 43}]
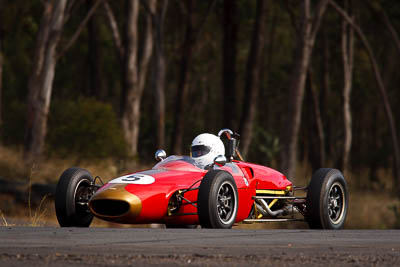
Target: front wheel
[
  {"x": 327, "y": 200},
  {"x": 74, "y": 189},
  {"x": 217, "y": 201}
]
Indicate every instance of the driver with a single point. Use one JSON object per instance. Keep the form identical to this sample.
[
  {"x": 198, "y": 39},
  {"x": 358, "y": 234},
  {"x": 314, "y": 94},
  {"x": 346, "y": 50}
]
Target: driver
[{"x": 205, "y": 148}]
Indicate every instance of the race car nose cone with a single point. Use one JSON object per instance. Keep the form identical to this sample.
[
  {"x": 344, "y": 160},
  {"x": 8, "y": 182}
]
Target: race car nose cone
[{"x": 115, "y": 204}]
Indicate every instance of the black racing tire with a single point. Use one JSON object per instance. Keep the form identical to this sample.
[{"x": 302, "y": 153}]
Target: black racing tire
[
  {"x": 181, "y": 226},
  {"x": 327, "y": 200},
  {"x": 72, "y": 187},
  {"x": 217, "y": 201}
]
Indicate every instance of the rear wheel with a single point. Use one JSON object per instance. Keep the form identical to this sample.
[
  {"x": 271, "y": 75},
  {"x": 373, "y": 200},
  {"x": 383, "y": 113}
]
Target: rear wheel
[
  {"x": 327, "y": 200},
  {"x": 217, "y": 201},
  {"x": 72, "y": 196}
]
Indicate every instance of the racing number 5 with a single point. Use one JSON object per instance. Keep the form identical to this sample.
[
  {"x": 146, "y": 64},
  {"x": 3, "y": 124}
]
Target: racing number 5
[{"x": 131, "y": 179}]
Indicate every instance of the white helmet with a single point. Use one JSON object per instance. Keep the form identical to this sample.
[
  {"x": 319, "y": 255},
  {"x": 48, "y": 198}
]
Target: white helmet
[{"x": 205, "y": 148}]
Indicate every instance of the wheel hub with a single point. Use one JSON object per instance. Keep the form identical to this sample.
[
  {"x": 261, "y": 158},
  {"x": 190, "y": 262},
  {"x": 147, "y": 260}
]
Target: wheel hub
[
  {"x": 82, "y": 196},
  {"x": 224, "y": 202},
  {"x": 335, "y": 202}
]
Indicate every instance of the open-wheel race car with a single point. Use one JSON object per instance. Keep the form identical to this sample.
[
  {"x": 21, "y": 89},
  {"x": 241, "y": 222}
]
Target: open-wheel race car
[{"x": 209, "y": 188}]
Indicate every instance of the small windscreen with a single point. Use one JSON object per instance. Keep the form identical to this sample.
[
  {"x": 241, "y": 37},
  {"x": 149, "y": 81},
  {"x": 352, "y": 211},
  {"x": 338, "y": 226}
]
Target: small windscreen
[{"x": 200, "y": 150}]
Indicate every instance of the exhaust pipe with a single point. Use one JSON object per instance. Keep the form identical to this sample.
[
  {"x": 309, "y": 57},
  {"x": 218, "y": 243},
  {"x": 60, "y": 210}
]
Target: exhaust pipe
[{"x": 263, "y": 207}]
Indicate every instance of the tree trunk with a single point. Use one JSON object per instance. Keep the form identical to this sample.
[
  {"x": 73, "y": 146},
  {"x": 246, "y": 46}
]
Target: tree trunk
[
  {"x": 132, "y": 94},
  {"x": 229, "y": 48},
  {"x": 80, "y": 28},
  {"x": 191, "y": 36},
  {"x": 347, "y": 56},
  {"x": 159, "y": 82},
  {"x": 147, "y": 48},
  {"x": 159, "y": 71},
  {"x": 381, "y": 87},
  {"x": 290, "y": 132},
  {"x": 325, "y": 92},
  {"x": 133, "y": 79},
  {"x": 385, "y": 19},
  {"x": 183, "y": 85},
  {"x": 252, "y": 82},
  {"x": 1, "y": 72},
  {"x": 41, "y": 79},
  {"x": 120, "y": 52},
  {"x": 112, "y": 23},
  {"x": 96, "y": 87},
  {"x": 134, "y": 69},
  {"x": 320, "y": 156}
]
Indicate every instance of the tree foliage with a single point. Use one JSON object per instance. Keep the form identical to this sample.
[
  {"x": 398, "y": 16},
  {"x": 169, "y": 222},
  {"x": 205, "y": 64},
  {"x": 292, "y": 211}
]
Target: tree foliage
[{"x": 85, "y": 127}]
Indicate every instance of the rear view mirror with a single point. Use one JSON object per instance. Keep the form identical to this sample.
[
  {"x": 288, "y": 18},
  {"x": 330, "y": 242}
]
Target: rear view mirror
[
  {"x": 160, "y": 155},
  {"x": 220, "y": 160}
]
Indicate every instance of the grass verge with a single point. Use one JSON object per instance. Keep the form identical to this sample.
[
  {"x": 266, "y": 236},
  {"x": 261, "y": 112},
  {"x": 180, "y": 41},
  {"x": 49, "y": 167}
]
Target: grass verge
[{"x": 372, "y": 204}]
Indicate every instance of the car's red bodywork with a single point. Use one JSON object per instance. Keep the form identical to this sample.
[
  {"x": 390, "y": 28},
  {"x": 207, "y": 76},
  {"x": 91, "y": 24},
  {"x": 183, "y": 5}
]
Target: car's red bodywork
[
  {"x": 213, "y": 192},
  {"x": 178, "y": 173}
]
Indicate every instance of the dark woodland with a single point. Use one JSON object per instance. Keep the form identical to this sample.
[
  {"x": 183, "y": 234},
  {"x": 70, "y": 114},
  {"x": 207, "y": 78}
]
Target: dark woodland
[{"x": 299, "y": 80}]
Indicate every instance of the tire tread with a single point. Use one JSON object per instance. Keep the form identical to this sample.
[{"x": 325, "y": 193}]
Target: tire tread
[
  {"x": 317, "y": 190},
  {"x": 67, "y": 182}
]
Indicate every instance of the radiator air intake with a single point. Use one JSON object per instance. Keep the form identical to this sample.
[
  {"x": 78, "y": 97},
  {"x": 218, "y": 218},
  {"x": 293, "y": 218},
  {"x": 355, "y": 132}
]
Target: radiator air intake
[{"x": 110, "y": 207}]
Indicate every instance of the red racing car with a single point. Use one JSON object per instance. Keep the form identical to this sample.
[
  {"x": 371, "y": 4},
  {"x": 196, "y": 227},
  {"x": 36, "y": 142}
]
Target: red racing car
[{"x": 208, "y": 188}]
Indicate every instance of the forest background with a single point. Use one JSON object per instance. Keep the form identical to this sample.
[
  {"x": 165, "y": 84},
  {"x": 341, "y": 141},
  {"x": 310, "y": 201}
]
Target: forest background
[{"x": 103, "y": 84}]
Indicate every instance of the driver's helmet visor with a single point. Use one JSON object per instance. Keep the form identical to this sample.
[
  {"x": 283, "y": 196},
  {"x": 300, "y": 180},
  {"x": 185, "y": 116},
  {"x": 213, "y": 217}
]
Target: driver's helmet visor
[{"x": 200, "y": 150}]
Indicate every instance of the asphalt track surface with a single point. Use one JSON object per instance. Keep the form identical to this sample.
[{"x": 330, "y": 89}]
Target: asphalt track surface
[{"x": 53, "y": 246}]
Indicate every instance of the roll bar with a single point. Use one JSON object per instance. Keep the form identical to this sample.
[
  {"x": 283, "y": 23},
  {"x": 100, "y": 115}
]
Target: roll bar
[{"x": 233, "y": 143}]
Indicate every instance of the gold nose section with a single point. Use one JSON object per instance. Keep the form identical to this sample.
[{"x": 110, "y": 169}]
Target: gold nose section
[{"x": 115, "y": 204}]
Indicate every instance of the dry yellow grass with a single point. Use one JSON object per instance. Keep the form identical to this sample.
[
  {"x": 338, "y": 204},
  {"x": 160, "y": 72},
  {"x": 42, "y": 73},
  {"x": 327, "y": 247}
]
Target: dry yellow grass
[
  {"x": 12, "y": 166},
  {"x": 47, "y": 171},
  {"x": 373, "y": 210},
  {"x": 372, "y": 205}
]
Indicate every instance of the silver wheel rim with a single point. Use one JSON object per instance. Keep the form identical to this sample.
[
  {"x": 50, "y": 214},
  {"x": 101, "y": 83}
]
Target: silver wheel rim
[
  {"x": 336, "y": 203},
  {"x": 226, "y": 203},
  {"x": 79, "y": 199}
]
